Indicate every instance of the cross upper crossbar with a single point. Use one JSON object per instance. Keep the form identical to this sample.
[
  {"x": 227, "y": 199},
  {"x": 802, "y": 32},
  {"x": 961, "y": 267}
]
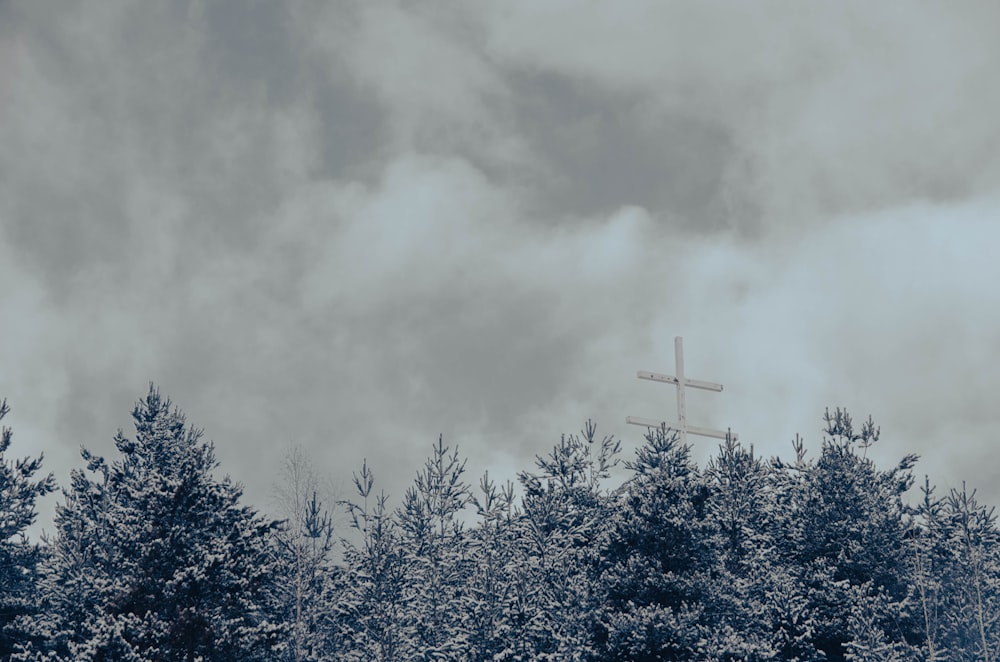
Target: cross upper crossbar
[
  {"x": 680, "y": 381},
  {"x": 694, "y": 383}
]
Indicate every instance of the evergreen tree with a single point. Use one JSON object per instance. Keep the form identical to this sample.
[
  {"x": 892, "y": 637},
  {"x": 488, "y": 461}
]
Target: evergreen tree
[
  {"x": 494, "y": 603},
  {"x": 369, "y": 616},
  {"x": 847, "y": 530},
  {"x": 155, "y": 559},
  {"x": 955, "y": 560},
  {"x": 437, "y": 556},
  {"x": 975, "y": 543},
  {"x": 658, "y": 559},
  {"x": 741, "y": 505},
  {"x": 794, "y": 617},
  {"x": 931, "y": 566},
  {"x": 19, "y": 557},
  {"x": 742, "y": 508},
  {"x": 565, "y": 516},
  {"x": 304, "y": 545}
]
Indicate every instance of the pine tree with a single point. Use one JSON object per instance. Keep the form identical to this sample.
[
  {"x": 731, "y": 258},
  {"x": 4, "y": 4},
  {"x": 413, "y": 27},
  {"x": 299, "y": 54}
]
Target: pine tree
[
  {"x": 658, "y": 559},
  {"x": 931, "y": 567},
  {"x": 437, "y": 556},
  {"x": 155, "y": 559},
  {"x": 741, "y": 505},
  {"x": 370, "y": 618},
  {"x": 305, "y": 545},
  {"x": 847, "y": 530},
  {"x": 742, "y": 508},
  {"x": 19, "y": 557},
  {"x": 956, "y": 562},
  {"x": 565, "y": 516},
  {"x": 493, "y": 611}
]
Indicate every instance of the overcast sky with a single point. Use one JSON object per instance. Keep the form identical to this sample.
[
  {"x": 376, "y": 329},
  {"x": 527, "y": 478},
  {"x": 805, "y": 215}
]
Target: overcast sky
[{"x": 353, "y": 226}]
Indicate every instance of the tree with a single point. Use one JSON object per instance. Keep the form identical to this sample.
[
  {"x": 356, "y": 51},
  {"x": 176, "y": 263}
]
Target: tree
[
  {"x": 155, "y": 559},
  {"x": 741, "y": 509},
  {"x": 931, "y": 566},
  {"x": 19, "y": 557},
  {"x": 437, "y": 555},
  {"x": 847, "y": 529},
  {"x": 370, "y": 612},
  {"x": 305, "y": 546},
  {"x": 566, "y": 512},
  {"x": 493, "y": 606},
  {"x": 658, "y": 558},
  {"x": 976, "y": 541},
  {"x": 955, "y": 561}
]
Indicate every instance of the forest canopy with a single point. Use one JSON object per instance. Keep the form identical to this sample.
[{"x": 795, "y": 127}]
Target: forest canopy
[{"x": 819, "y": 557}]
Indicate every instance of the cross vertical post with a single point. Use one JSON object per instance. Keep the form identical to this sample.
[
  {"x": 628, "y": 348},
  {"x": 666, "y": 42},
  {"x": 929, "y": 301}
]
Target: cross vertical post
[
  {"x": 681, "y": 382},
  {"x": 679, "y": 362}
]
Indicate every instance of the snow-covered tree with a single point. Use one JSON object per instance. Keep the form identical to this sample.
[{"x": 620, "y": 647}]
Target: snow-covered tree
[
  {"x": 741, "y": 509},
  {"x": 19, "y": 557},
  {"x": 156, "y": 559},
  {"x": 437, "y": 556},
  {"x": 846, "y": 540},
  {"x": 566, "y": 512},
  {"x": 305, "y": 547},
  {"x": 975, "y": 542},
  {"x": 369, "y": 616},
  {"x": 494, "y": 604},
  {"x": 658, "y": 558},
  {"x": 955, "y": 569}
]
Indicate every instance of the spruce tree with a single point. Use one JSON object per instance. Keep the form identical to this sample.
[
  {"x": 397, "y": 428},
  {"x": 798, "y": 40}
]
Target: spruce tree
[
  {"x": 846, "y": 539},
  {"x": 370, "y": 614},
  {"x": 930, "y": 565},
  {"x": 493, "y": 606},
  {"x": 741, "y": 509},
  {"x": 19, "y": 557},
  {"x": 955, "y": 560},
  {"x": 156, "y": 559},
  {"x": 437, "y": 555},
  {"x": 658, "y": 559},
  {"x": 566, "y": 512}
]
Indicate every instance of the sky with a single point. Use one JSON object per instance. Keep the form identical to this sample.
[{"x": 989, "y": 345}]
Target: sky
[{"x": 352, "y": 227}]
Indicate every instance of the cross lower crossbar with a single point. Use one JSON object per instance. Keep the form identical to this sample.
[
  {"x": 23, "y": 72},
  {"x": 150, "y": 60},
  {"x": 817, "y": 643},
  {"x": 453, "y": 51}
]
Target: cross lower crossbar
[
  {"x": 691, "y": 429},
  {"x": 669, "y": 379}
]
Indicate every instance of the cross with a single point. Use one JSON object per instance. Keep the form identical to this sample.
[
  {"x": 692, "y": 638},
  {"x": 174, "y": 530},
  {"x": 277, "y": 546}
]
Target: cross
[{"x": 680, "y": 381}]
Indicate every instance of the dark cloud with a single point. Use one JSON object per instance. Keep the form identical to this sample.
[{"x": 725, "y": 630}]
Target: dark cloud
[
  {"x": 605, "y": 149},
  {"x": 357, "y": 226},
  {"x": 213, "y": 114},
  {"x": 351, "y": 127},
  {"x": 250, "y": 45},
  {"x": 488, "y": 350}
]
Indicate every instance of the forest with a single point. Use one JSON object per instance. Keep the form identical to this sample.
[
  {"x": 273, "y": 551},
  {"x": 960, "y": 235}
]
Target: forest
[{"x": 824, "y": 556}]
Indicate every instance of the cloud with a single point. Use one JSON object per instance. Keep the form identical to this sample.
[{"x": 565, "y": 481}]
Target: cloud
[
  {"x": 440, "y": 93},
  {"x": 451, "y": 212},
  {"x": 468, "y": 302},
  {"x": 356, "y": 227},
  {"x": 832, "y": 108},
  {"x": 888, "y": 313}
]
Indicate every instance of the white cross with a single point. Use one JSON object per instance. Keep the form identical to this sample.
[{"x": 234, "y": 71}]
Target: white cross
[{"x": 680, "y": 381}]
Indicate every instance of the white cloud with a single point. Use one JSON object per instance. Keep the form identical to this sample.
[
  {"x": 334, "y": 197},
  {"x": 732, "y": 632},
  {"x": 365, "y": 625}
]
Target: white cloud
[
  {"x": 429, "y": 224},
  {"x": 495, "y": 207},
  {"x": 889, "y": 313},
  {"x": 835, "y": 107}
]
